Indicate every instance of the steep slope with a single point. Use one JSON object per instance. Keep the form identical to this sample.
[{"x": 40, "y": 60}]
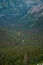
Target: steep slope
[
  {"x": 33, "y": 18},
  {"x": 15, "y": 38},
  {"x": 11, "y": 38},
  {"x": 11, "y": 10},
  {"x": 25, "y": 10},
  {"x": 32, "y": 2},
  {"x": 5, "y": 37}
]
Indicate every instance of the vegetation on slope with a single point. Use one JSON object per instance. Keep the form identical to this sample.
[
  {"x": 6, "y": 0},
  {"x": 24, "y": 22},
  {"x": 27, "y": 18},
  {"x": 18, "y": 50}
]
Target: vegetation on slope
[
  {"x": 23, "y": 55},
  {"x": 13, "y": 51},
  {"x": 30, "y": 37}
]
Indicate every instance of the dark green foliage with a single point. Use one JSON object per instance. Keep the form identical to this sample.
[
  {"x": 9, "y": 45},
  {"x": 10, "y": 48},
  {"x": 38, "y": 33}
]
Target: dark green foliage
[
  {"x": 15, "y": 56},
  {"x": 12, "y": 52}
]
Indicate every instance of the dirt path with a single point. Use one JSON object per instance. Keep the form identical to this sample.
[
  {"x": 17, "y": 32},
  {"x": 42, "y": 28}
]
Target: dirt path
[{"x": 25, "y": 59}]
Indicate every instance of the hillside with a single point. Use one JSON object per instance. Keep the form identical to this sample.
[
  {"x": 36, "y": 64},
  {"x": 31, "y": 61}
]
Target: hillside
[
  {"x": 15, "y": 38},
  {"x": 21, "y": 14},
  {"x": 21, "y": 32},
  {"x": 7, "y": 37},
  {"x": 20, "y": 48}
]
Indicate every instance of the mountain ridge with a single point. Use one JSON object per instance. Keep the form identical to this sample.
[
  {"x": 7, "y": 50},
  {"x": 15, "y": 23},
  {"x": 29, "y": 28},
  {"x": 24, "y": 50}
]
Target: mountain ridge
[{"x": 22, "y": 16}]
